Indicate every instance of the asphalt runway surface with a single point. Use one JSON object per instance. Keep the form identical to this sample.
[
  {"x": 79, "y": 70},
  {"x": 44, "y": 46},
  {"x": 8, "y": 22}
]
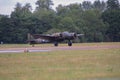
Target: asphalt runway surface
[{"x": 60, "y": 48}]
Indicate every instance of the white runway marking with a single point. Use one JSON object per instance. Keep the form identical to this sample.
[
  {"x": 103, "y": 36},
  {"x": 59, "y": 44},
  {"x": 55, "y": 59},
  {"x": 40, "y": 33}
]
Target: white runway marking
[
  {"x": 21, "y": 51},
  {"x": 11, "y": 51}
]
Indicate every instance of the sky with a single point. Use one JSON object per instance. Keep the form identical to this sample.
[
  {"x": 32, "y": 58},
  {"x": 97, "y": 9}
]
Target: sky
[{"x": 7, "y": 6}]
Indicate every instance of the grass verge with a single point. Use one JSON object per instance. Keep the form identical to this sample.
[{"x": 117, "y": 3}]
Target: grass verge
[{"x": 61, "y": 65}]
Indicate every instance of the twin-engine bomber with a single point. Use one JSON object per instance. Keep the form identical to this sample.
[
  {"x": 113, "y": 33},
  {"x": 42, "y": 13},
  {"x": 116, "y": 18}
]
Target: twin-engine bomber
[{"x": 54, "y": 38}]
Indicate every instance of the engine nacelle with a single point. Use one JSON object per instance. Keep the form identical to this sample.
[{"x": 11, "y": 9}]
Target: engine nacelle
[{"x": 68, "y": 35}]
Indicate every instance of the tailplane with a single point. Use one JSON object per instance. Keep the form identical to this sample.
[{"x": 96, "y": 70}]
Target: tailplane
[{"x": 30, "y": 37}]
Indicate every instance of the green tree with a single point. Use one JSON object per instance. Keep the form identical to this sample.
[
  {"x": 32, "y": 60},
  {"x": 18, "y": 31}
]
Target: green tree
[
  {"x": 44, "y": 15},
  {"x": 44, "y": 4},
  {"x": 99, "y": 5},
  {"x": 67, "y": 24},
  {"x": 6, "y": 29},
  {"x": 112, "y": 17},
  {"x": 113, "y": 4},
  {"x": 20, "y": 20},
  {"x": 87, "y": 5},
  {"x": 17, "y": 10},
  {"x": 27, "y": 10},
  {"x": 81, "y": 18},
  {"x": 93, "y": 27},
  {"x": 62, "y": 10}
]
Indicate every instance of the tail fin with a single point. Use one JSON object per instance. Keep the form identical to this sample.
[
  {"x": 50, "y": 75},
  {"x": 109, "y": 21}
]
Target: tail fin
[{"x": 30, "y": 37}]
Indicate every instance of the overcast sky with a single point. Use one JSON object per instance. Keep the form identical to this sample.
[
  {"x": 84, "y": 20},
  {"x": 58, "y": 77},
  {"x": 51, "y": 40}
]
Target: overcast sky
[{"x": 7, "y": 6}]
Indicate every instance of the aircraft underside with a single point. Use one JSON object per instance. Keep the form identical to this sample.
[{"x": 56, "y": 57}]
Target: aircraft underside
[{"x": 56, "y": 43}]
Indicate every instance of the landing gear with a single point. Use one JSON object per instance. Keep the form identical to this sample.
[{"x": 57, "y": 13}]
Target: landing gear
[
  {"x": 32, "y": 43},
  {"x": 56, "y": 43},
  {"x": 69, "y": 43}
]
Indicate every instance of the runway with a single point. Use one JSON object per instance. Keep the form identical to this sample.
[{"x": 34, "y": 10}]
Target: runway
[{"x": 59, "y": 48}]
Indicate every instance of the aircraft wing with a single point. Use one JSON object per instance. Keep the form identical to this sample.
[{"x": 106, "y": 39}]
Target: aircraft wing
[{"x": 46, "y": 37}]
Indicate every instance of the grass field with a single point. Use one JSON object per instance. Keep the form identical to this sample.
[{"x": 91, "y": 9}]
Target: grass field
[{"x": 103, "y": 64}]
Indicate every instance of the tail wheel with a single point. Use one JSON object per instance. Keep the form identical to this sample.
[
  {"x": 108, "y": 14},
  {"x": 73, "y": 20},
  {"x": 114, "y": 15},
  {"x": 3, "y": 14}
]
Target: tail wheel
[
  {"x": 55, "y": 43},
  {"x": 32, "y": 43},
  {"x": 69, "y": 43}
]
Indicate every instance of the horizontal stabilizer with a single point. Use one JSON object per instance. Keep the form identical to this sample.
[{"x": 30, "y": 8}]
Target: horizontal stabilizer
[{"x": 80, "y": 35}]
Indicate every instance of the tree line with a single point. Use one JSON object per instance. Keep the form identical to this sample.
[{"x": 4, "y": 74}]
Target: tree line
[{"x": 99, "y": 21}]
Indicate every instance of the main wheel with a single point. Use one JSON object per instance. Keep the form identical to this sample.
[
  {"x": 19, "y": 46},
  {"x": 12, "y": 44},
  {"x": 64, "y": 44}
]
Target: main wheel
[
  {"x": 55, "y": 43},
  {"x": 69, "y": 43}
]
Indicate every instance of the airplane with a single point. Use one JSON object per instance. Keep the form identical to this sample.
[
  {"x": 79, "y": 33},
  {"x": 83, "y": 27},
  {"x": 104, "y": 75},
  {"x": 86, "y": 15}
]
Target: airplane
[{"x": 54, "y": 38}]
